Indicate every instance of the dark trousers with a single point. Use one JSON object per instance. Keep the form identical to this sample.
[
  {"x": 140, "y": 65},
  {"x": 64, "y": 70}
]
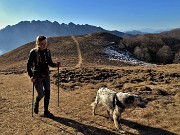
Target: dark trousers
[{"x": 42, "y": 85}]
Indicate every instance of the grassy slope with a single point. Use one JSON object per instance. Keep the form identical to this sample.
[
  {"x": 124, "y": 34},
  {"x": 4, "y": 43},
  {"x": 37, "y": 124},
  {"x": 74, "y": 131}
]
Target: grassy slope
[{"x": 159, "y": 84}]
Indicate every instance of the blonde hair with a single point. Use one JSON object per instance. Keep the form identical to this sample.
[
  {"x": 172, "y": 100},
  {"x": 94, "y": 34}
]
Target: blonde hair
[{"x": 39, "y": 39}]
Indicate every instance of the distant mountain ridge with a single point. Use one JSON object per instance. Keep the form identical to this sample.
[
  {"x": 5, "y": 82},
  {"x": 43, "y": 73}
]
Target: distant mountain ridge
[
  {"x": 135, "y": 32},
  {"x": 24, "y": 32},
  {"x": 175, "y": 33}
]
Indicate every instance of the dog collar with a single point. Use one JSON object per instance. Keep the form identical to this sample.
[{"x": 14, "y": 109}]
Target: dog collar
[{"x": 117, "y": 102}]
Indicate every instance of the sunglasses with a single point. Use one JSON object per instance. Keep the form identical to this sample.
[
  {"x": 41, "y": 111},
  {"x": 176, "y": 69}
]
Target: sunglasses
[{"x": 43, "y": 43}]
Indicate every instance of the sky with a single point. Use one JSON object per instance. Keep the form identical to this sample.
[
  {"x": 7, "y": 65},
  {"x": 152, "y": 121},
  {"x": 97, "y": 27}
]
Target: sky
[{"x": 121, "y": 15}]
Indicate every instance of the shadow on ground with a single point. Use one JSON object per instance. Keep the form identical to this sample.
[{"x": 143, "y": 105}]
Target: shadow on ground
[
  {"x": 91, "y": 130},
  {"x": 82, "y": 128},
  {"x": 146, "y": 130}
]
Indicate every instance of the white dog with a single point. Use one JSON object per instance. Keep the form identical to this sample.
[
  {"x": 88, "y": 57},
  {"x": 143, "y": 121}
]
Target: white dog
[{"x": 116, "y": 103}]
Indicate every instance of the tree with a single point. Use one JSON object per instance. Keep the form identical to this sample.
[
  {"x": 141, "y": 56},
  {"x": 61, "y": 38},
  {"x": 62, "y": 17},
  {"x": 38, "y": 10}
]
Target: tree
[
  {"x": 142, "y": 54},
  {"x": 165, "y": 55}
]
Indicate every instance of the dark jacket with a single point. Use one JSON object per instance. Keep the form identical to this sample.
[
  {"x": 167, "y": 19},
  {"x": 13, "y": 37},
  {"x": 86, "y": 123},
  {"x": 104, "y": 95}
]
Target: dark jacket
[{"x": 39, "y": 62}]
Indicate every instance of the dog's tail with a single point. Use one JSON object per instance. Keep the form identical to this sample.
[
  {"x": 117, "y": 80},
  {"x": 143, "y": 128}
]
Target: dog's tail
[{"x": 96, "y": 101}]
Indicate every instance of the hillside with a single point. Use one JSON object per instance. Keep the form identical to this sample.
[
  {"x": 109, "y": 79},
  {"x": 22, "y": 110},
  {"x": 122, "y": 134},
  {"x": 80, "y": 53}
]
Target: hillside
[
  {"x": 100, "y": 49},
  {"x": 173, "y": 33},
  {"x": 85, "y": 68},
  {"x": 65, "y": 49}
]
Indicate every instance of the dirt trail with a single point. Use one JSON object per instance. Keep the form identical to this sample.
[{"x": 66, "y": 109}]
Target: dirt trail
[{"x": 79, "y": 52}]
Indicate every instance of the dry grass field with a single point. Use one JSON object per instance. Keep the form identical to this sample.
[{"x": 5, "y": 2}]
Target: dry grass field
[{"x": 160, "y": 85}]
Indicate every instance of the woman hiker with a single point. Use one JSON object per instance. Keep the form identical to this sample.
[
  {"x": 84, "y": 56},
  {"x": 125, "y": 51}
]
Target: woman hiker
[{"x": 38, "y": 70}]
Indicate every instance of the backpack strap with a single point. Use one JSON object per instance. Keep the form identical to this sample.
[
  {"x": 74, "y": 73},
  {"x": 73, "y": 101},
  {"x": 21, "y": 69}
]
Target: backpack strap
[
  {"x": 37, "y": 56},
  {"x": 117, "y": 102},
  {"x": 48, "y": 54}
]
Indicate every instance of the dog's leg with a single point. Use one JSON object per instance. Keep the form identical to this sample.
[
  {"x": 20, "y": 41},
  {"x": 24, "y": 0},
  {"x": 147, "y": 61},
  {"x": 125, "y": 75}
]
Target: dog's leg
[
  {"x": 94, "y": 104},
  {"x": 116, "y": 118},
  {"x": 110, "y": 113}
]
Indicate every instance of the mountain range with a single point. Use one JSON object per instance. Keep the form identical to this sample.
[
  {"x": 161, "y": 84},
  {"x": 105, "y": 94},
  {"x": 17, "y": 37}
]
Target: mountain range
[{"x": 24, "y": 32}]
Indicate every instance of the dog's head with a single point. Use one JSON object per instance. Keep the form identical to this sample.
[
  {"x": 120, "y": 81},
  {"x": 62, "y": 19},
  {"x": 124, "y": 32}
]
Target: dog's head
[
  {"x": 138, "y": 101},
  {"x": 131, "y": 100}
]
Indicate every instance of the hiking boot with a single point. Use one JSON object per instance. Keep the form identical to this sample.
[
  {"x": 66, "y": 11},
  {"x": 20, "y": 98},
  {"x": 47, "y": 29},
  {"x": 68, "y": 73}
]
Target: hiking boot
[
  {"x": 48, "y": 114},
  {"x": 36, "y": 108}
]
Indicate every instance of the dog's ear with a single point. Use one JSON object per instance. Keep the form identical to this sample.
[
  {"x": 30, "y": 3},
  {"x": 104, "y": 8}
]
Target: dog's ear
[{"x": 129, "y": 100}]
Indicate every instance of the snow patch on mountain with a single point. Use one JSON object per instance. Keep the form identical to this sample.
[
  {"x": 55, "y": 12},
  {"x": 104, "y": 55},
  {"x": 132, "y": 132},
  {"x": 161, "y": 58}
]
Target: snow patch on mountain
[{"x": 123, "y": 56}]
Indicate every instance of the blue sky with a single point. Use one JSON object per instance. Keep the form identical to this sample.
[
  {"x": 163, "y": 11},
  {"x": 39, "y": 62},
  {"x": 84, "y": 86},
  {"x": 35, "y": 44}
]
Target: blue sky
[{"x": 119, "y": 15}]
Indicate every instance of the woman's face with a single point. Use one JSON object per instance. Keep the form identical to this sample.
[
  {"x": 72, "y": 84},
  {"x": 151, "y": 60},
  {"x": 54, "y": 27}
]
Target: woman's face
[{"x": 43, "y": 45}]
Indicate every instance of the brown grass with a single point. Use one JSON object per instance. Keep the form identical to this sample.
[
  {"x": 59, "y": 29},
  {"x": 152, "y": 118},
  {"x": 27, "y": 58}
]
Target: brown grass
[{"x": 73, "y": 116}]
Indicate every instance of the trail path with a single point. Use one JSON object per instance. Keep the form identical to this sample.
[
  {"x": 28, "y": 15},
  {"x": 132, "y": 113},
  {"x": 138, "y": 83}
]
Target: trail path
[{"x": 79, "y": 52}]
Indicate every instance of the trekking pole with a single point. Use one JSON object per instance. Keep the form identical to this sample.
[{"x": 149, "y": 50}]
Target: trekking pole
[
  {"x": 58, "y": 82},
  {"x": 33, "y": 100}
]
